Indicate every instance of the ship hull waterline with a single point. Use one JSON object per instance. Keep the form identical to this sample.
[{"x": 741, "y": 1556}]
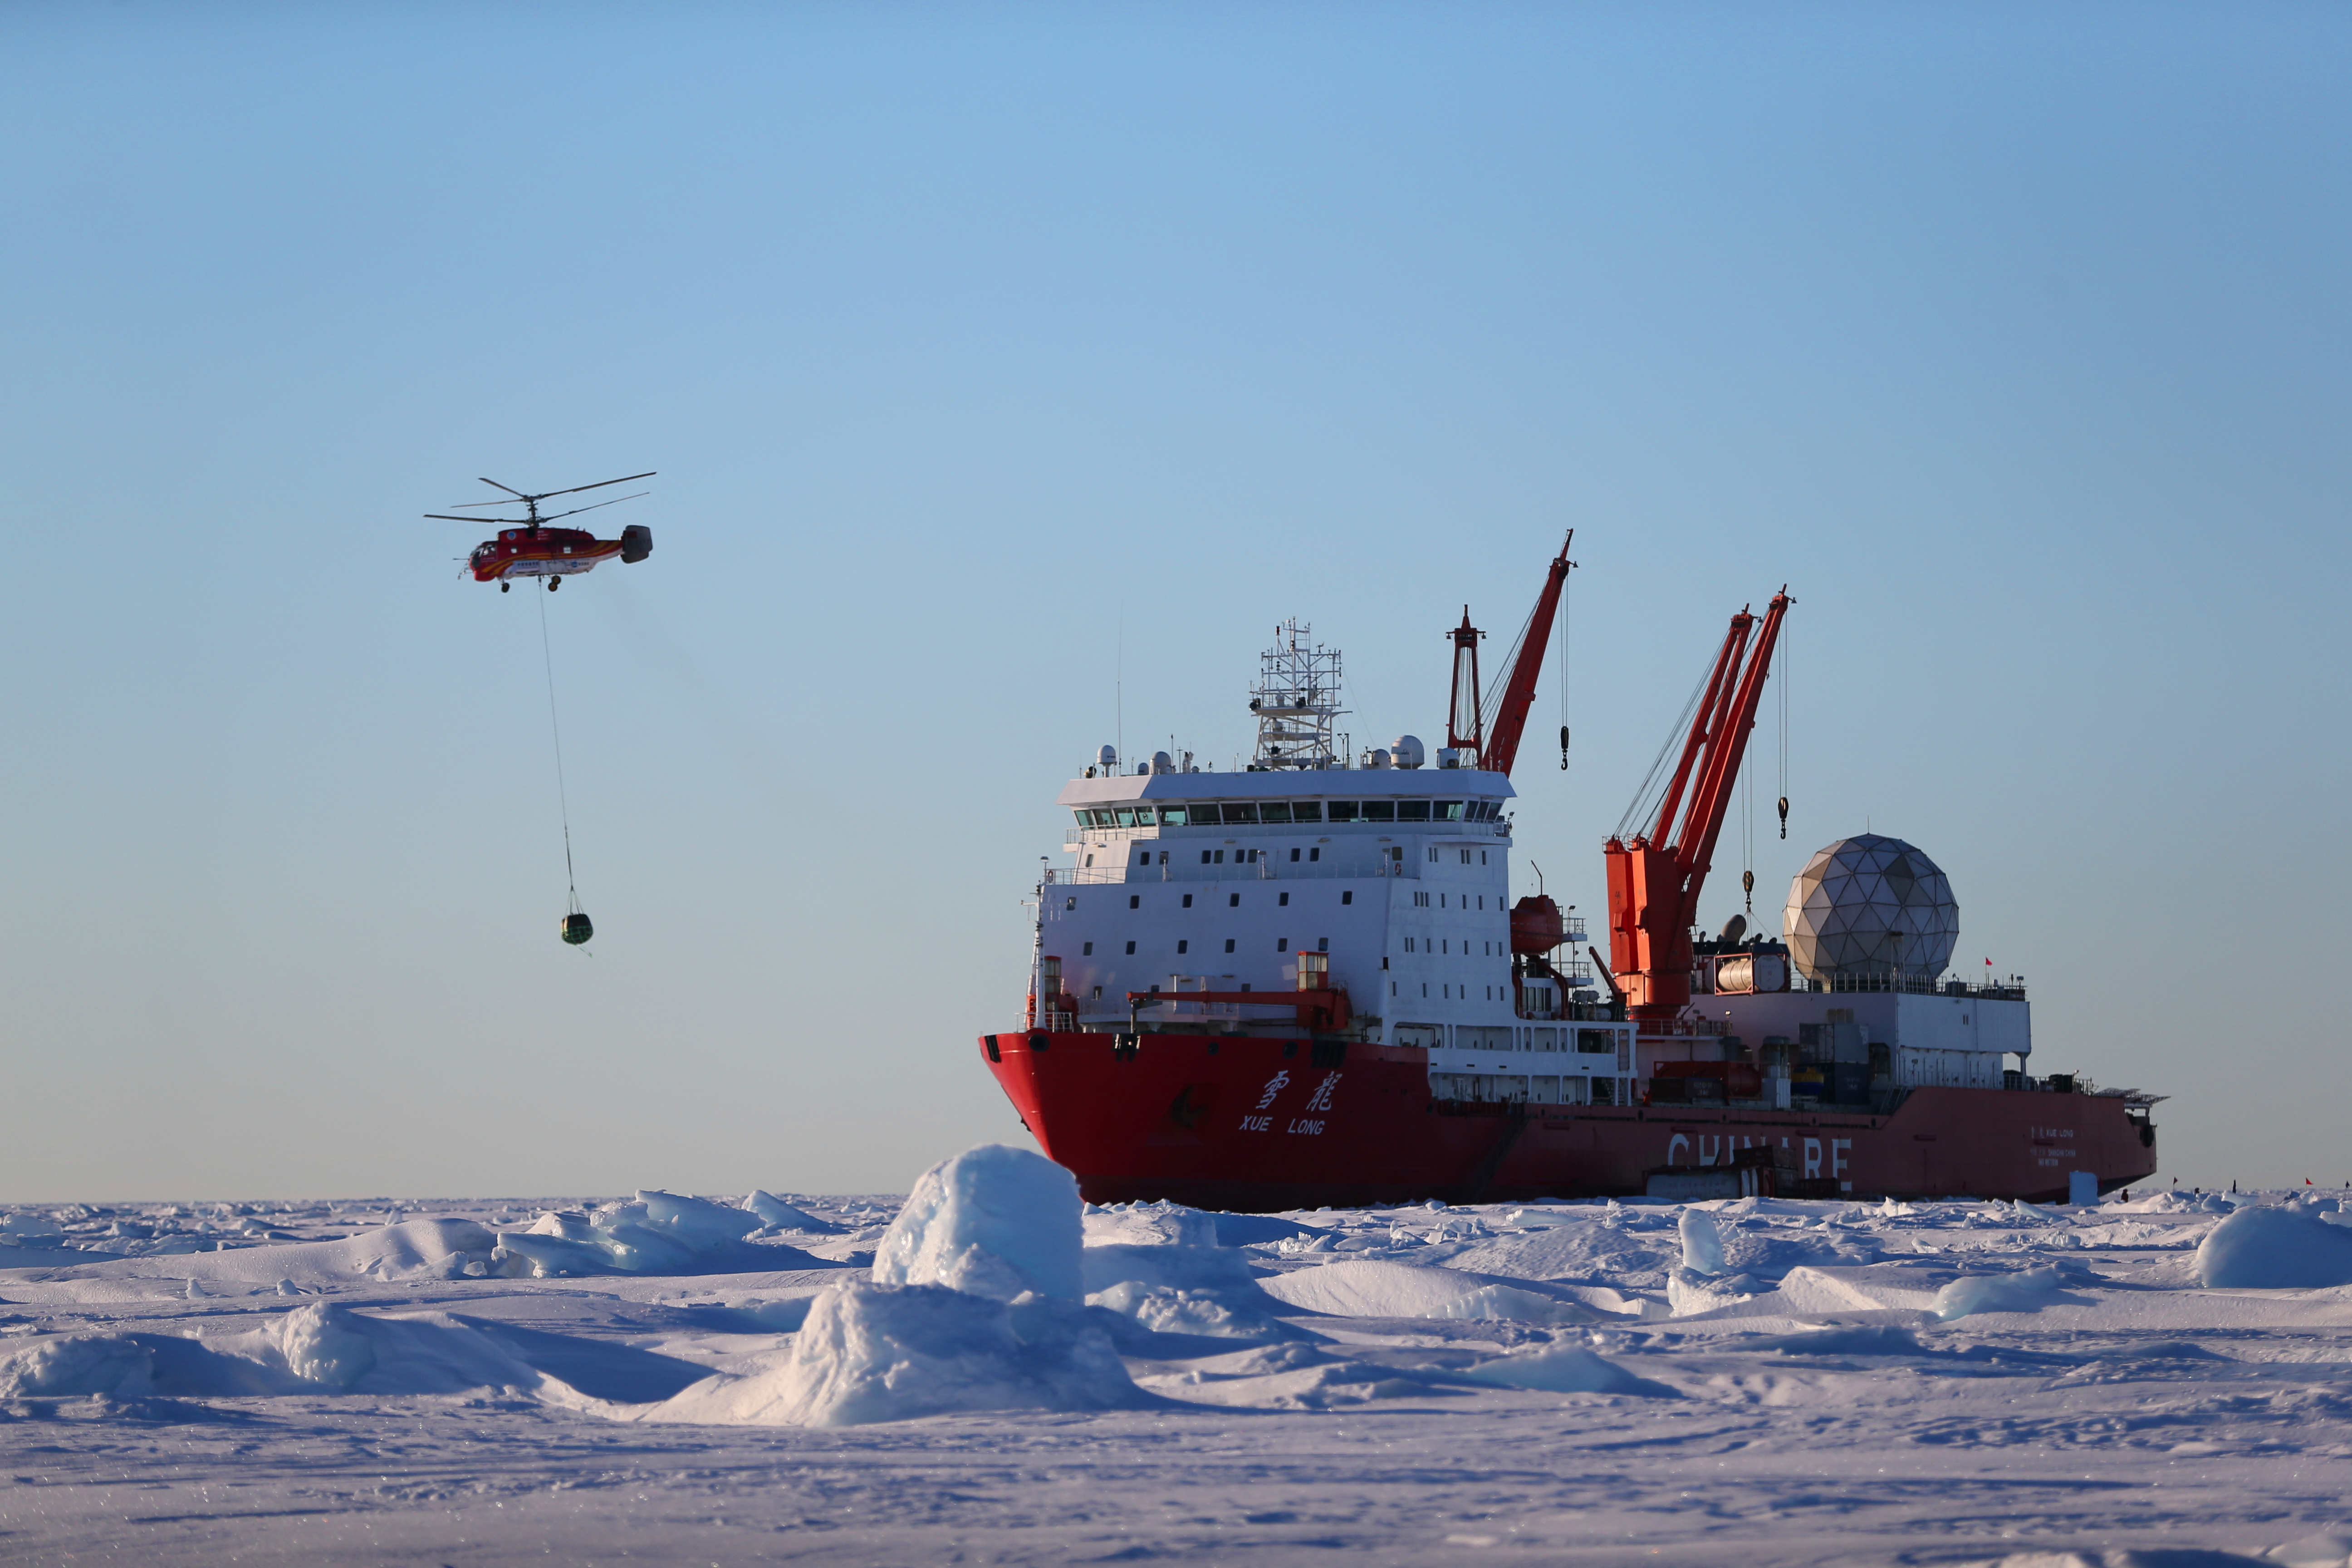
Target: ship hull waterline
[{"x": 1254, "y": 1124}]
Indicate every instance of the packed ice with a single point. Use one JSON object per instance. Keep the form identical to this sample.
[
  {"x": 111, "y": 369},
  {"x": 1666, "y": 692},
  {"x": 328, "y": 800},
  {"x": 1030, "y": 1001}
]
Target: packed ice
[{"x": 1607, "y": 1376}]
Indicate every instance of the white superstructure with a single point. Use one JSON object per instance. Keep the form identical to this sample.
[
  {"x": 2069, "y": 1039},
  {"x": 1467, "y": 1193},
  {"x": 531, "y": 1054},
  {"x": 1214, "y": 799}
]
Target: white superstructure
[{"x": 1398, "y": 877}]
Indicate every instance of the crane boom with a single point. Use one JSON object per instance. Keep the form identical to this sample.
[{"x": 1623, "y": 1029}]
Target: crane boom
[
  {"x": 1502, "y": 747},
  {"x": 1654, "y": 881}
]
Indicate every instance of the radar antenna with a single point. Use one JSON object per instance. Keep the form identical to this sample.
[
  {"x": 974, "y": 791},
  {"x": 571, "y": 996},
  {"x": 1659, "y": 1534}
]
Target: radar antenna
[{"x": 1295, "y": 698}]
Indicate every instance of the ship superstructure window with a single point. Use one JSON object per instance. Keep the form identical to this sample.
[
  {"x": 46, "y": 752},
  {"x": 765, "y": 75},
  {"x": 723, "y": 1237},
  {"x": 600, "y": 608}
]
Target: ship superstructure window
[
  {"x": 1240, "y": 813},
  {"x": 1322, "y": 944},
  {"x": 1233, "y": 900},
  {"x": 1188, "y": 901},
  {"x": 1274, "y": 811},
  {"x": 1381, "y": 811},
  {"x": 1229, "y": 945},
  {"x": 1340, "y": 810},
  {"x": 1088, "y": 952},
  {"x": 1284, "y": 900},
  {"x": 1348, "y": 897},
  {"x": 1134, "y": 900},
  {"x": 1130, "y": 947},
  {"x": 1413, "y": 811},
  {"x": 1306, "y": 811},
  {"x": 1446, "y": 810},
  {"x": 1282, "y": 944},
  {"x": 1293, "y": 854},
  {"x": 1184, "y": 947},
  {"x": 1174, "y": 816},
  {"x": 1317, "y": 855}
]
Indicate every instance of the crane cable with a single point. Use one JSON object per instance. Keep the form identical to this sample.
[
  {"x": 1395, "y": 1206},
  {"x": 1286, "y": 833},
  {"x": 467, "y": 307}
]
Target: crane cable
[
  {"x": 1784, "y": 732},
  {"x": 1565, "y": 587},
  {"x": 562, "y": 799}
]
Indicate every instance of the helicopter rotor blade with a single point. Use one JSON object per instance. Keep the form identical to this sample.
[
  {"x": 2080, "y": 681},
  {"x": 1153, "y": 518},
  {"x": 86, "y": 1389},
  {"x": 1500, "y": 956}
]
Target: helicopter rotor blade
[
  {"x": 509, "y": 489},
  {"x": 578, "y": 510},
  {"x": 466, "y": 505},
  {"x": 507, "y": 522},
  {"x": 599, "y": 485}
]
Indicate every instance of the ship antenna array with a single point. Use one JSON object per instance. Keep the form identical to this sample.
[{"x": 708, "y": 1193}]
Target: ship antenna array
[{"x": 1296, "y": 700}]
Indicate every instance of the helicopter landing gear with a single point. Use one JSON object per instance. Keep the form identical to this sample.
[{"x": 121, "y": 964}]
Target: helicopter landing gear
[
  {"x": 552, "y": 581},
  {"x": 506, "y": 587}
]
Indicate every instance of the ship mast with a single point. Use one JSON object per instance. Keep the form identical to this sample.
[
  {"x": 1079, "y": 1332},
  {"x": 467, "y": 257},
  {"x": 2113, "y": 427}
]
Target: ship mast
[
  {"x": 1654, "y": 881},
  {"x": 1296, "y": 700}
]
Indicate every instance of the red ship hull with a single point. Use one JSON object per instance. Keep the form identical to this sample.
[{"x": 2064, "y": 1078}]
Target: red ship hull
[{"x": 1235, "y": 1122}]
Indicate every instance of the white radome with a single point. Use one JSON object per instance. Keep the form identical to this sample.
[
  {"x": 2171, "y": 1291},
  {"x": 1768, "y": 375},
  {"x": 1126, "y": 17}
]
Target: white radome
[{"x": 1870, "y": 905}]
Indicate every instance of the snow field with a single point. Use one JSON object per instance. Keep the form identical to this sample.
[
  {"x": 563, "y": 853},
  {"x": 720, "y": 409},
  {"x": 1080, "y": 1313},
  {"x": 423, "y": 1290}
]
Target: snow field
[{"x": 991, "y": 1368}]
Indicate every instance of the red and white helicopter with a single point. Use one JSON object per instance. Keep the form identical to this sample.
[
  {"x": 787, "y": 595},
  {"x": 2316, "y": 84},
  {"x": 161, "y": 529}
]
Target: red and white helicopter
[{"x": 527, "y": 547}]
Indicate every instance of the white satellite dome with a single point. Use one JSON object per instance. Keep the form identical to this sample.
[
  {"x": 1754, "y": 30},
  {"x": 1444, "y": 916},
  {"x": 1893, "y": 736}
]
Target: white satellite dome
[{"x": 1870, "y": 905}]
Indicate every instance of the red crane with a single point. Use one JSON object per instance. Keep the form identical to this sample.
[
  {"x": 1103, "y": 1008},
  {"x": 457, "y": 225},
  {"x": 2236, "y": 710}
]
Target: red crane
[
  {"x": 1496, "y": 747},
  {"x": 1654, "y": 881}
]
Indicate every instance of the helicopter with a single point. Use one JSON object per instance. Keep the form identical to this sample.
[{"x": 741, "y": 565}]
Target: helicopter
[{"x": 527, "y": 547}]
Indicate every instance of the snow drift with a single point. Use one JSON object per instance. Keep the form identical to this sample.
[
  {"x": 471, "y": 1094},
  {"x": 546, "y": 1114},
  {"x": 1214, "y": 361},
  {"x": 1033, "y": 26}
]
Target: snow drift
[
  {"x": 1373, "y": 1288},
  {"x": 1566, "y": 1369}
]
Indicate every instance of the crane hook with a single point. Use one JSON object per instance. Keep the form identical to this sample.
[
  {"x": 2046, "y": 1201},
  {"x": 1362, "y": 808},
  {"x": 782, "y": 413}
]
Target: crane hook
[
  {"x": 1784, "y": 816},
  {"x": 1563, "y": 748},
  {"x": 1748, "y": 886}
]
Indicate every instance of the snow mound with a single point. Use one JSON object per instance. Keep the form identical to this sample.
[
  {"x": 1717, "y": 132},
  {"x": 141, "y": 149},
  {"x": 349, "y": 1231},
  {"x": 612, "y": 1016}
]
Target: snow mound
[
  {"x": 1151, "y": 1225},
  {"x": 877, "y": 1352},
  {"x": 2268, "y": 1248},
  {"x": 1165, "y": 1310},
  {"x": 1566, "y": 1369},
  {"x": 412, "y": 1249},
  {"x": 319, "y": 1348},
  {"x": 1690, "y": 1290},
  {"x": 2028, "y": 1290},
  {"x": 993, "y": 1221},
  {"x": 778, "y": 1215},
  {"x": 652, "y": 1233},
  {"x": 1370, "y": 1287},
  {"x": 73, "y": 1364}
]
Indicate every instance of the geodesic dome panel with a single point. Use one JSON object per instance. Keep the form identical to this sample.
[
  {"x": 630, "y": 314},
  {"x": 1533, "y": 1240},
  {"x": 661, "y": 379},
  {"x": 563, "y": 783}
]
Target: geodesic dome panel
[{"x": 1870, "y": 905}]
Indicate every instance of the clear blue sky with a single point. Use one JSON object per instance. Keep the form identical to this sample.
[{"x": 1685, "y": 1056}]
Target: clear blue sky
[{"x": 977, "y": 344}]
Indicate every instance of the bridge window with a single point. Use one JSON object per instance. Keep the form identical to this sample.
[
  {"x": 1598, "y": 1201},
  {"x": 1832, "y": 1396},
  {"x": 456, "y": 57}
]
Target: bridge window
[
  {"x": 1339, "y": 811},
  {"x": 1306, "y": 811},
  {"x": 1274, "y": 811},
  {"x": 1174, "y": 816},
  {"x": 1413, "y": 811},
  {"x": 1379, "y": 811},
  {"x": 1241, "y": 814},
  {"x": 1446, "y": 810}
]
